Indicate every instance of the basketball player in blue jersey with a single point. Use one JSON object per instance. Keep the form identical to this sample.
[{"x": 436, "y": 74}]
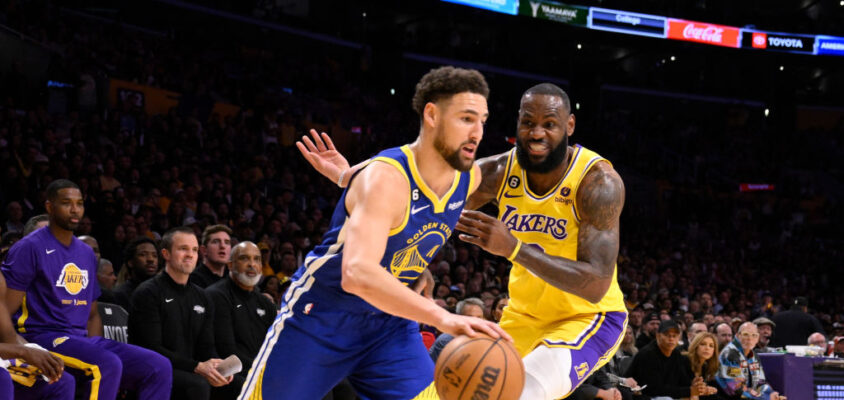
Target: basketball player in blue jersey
[
  {"x": 349, "y": 311},
  {"x": 558, "y": 222},
  {"x": 52, "y": 292}
]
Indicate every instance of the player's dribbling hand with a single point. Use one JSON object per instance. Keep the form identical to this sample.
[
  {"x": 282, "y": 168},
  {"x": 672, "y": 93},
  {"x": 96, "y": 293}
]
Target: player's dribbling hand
[
  {"x": 322, "y": 155},
  {"x": 208, "y": 370},
  {"x": 50, "y": 365},
  {"x": 487, "y": 232},
  {"x": 455, "y": 325}
]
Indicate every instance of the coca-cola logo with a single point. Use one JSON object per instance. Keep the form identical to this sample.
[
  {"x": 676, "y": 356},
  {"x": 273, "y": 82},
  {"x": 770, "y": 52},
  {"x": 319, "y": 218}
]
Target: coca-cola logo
[
  {"x": 706, "y": 34},
  {"x": 719, "y": 35}
]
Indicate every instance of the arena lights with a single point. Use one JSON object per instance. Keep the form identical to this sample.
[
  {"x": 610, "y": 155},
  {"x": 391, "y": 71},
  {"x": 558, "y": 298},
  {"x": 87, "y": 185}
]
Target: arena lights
[{"x": 632, "y": 23}]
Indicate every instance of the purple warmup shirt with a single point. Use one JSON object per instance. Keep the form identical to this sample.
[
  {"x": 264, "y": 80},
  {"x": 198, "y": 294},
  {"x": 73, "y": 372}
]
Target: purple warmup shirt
[{"x": 59, "y": 282}]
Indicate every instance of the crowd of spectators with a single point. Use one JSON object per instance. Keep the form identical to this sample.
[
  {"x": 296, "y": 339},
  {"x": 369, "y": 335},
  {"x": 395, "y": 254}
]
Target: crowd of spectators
[{"x": 694, "y": 248}]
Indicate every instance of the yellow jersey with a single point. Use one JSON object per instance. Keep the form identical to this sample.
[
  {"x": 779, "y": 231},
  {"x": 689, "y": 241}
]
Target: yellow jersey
[{"x": 549, "y": 221}]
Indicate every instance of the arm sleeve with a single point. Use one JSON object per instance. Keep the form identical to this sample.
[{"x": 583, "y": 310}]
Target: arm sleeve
[
  {"x": 205, "y": 341},
  {"x": 145, "y": 327},
  {"x": 19, "y": 266}
]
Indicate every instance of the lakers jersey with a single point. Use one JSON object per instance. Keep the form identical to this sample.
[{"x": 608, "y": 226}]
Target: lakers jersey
[
  {"x": 549, "y": 221},
  {"x": 428, "y": 222}
]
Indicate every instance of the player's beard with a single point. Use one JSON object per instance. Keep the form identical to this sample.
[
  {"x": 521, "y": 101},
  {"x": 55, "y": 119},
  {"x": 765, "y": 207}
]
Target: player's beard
[
  {"x": 554, "y": 158},
  {"x": 245, "y": 280},
  {"x": 65, "y": 223},
  {"x": 452, "y": 157}
]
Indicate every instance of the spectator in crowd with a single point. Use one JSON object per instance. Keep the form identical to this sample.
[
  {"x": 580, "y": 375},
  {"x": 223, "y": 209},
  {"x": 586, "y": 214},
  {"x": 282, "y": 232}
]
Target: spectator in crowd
[
  {"x": 216, "y": 253},
  {"x": 14, "y": 217},
  {"x": 55, "y": 306},
  {"x": 141, "y": 257},
  {"x": 634, "y": 319},
  {"x": 649, "y": 329},
  {"x": 472, "y": 307},
  {"x": 766, "y": 330},
  {"x": 174, "y": 317},
  {"x": 105, "y": 274},
  {"x": 628, "y": 344},
  {"x": 241, "y": 314},
  {"x": 724, "y": 333},
  {"x": 598, "y": 386},
  {"x": 38, "y": 221},
  {"x": 838, "y": 347},
  {"x": 271, "y": 287},
  {"x": 93, "y": 244},
  {"x": 497, "y": 307},
  {"x": 703, "y": 362},
  {"x": 818, "y": 339},
  {"x": 661, "y": 367},
  {"x": 741, "y": 374},
  {"x": 794, "y": 326},
  {"x": 695, "y": 328}
]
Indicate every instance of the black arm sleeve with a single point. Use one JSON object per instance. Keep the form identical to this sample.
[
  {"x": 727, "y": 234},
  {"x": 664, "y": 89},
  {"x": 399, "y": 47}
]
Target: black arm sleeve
[{"x": 145, "y": 328}]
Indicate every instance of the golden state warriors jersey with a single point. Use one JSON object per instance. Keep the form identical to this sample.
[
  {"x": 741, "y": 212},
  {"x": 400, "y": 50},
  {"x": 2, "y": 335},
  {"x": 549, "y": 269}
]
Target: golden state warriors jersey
[
  {"x": 428, "y": 222},
  {"x": 548, "y": 221}
]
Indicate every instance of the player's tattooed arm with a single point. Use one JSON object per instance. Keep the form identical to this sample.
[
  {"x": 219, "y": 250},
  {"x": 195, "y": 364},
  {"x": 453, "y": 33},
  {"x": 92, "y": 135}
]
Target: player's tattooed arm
[
  {"x": 600, "y": 199},
  {"x": 492, "y": 170}
]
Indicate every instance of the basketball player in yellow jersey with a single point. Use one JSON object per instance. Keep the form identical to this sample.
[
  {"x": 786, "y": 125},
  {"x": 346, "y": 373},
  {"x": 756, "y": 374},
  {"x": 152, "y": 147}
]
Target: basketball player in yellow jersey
[{"x": 558, "y": 222}]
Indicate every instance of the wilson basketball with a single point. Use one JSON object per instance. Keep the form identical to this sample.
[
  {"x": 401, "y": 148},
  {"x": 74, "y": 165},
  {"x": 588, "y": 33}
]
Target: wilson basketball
[{"x": 479, "y": 368}]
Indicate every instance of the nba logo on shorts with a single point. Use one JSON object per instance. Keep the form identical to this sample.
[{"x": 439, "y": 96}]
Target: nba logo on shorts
[{"x": 581, "y": 369}]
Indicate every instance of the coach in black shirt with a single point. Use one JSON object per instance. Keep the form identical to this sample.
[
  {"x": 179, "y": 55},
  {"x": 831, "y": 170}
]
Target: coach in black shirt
[
  {"x": 661, "y": 366},
  {"x": 175, "y": 318},
  {"x": 242, "y": 315}
]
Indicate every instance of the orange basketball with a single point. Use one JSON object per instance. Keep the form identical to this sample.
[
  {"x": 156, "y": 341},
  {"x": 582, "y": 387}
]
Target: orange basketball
[{"x": 479, "y": 368}]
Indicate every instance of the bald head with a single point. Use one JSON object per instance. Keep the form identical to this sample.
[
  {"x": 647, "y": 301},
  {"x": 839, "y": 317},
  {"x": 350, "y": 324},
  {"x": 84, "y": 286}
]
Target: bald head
[
  {"x": 243, "y": 246},
  {"x": 817, "y": 339},
  {"x": 90, "y": 241}
]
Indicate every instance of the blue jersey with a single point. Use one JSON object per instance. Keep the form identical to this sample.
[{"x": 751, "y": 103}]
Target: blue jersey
[
  {"x": 324, "y": 334},
  {"x": 427, "y": 224}
]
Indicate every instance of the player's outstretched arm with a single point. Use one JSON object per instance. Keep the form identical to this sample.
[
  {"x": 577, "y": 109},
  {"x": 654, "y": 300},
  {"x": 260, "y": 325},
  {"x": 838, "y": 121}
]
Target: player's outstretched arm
[
  {"x": 377, "y": 201},
  {"x": 324, "y": 157},
  {"x": 600, "y": 199}
]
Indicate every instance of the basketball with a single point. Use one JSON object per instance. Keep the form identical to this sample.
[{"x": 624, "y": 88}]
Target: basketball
[{"x": 479, "y": 368}]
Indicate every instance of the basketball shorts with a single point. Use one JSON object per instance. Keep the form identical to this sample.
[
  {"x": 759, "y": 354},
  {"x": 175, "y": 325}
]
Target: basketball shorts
[
  {"x": 308, "y": 351},
  {"x": 592, "y": 338}
]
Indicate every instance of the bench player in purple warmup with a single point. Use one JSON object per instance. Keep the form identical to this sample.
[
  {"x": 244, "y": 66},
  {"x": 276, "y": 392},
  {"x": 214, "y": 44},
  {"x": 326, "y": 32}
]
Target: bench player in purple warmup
[{"x": 52, "y": 295}]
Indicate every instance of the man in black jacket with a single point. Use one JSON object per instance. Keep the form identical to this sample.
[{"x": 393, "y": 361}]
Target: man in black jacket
[
  {"x": 141, "y": 257},
  {"x": 795, "y": 325},
  {"x": 242, "y": 315},
  {"x": 661, "y": 367},
  {"x": 216, "y": 250},
  {"x": 175, "y": 318}
]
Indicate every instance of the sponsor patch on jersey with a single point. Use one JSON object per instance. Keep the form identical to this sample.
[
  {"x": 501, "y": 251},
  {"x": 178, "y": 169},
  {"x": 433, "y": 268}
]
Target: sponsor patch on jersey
[
  {"x": 72, "y": 278},
  {"x": 59, "y": 340},
  {"x": 455, "y": 205}
]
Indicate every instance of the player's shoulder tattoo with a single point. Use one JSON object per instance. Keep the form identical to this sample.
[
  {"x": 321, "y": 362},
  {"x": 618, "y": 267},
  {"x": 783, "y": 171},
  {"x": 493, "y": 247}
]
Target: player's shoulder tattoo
[{"x": 600, "y": 196}]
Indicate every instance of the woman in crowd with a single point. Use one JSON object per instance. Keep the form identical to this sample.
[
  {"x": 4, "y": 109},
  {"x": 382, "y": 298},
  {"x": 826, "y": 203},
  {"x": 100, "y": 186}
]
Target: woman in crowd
[{"x": 703, "y": 362}]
